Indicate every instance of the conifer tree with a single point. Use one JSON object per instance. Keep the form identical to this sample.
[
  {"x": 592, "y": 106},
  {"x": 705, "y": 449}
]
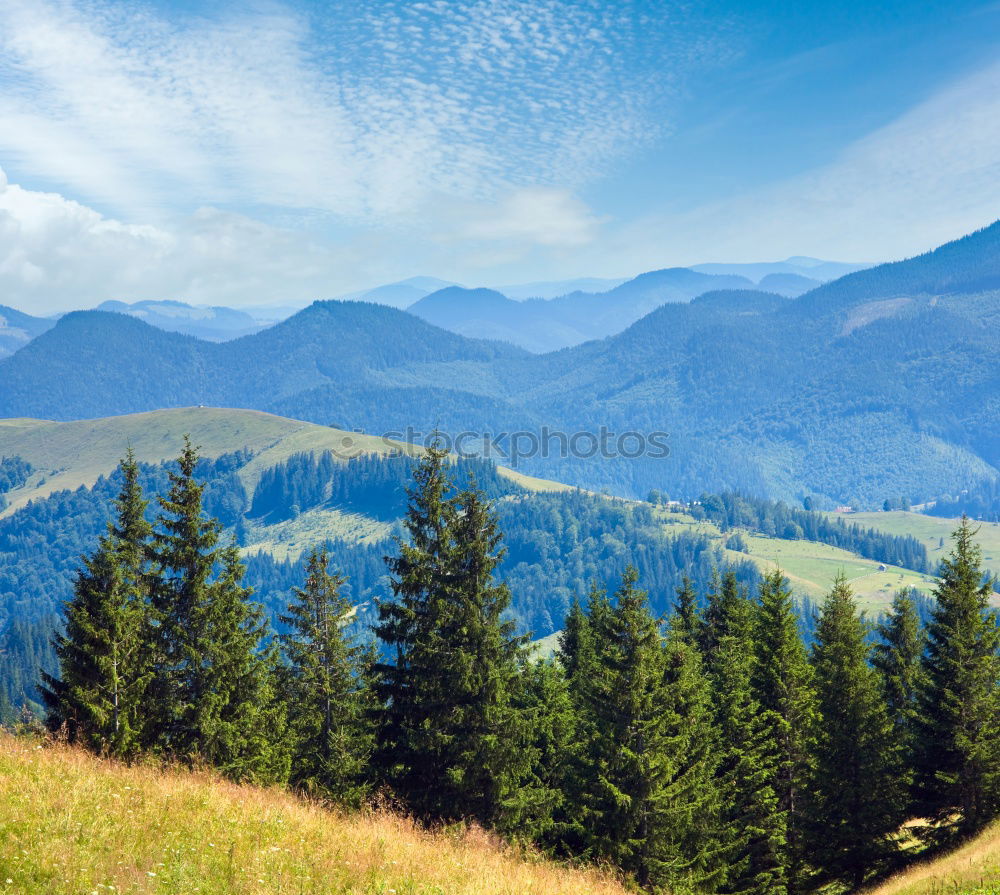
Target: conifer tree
[
  {"x": 686, "y": 618},
  {"x": 323, "y": 688},
  {"x": 572, "y": 638},
  {"x": 577, "y": 657},
  {"x": 103, "y": 671},
  {"x": 783, "y": 687},
  {"x": 695, "y": 839},
  {"x": 212, "y": 693},
  {"x": 540, "y": 811},
  {"x": 448, "y": 741},
  {"x": 753, "y": 825},
  {"x": 726, "y": 613},
  {"x": 857, "y": 794},
  {"x": 958, "y": 748},
  {"x": 897, "y": 655},
  {"x": 648, "y": 800}
]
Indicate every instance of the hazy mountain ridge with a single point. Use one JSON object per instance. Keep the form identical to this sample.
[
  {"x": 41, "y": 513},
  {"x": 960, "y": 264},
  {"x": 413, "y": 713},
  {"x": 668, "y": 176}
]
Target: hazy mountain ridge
[
  {"x": 214, "y": 324},
  {"x": 572, "y": 323},
  {"x": 93, "y": 359},
  {"x": 542, "y": 325},
  {"x": 812, "y": 268},
  {"x": 881, "y": 384}
]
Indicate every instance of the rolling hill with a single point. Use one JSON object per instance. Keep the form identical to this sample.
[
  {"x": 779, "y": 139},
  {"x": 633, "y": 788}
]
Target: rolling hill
[
  {"x": 68, "y": 455},
  {"x": 95, "y": 364},
  {"x": 935, "y": 533},
  {"x": 73, "y": 823}
]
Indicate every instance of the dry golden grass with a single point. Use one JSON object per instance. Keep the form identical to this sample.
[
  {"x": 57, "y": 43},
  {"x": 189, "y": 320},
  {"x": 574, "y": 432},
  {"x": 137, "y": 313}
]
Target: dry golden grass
[
  {"x": 974, "y": 867},
  {"x": 70, "y": 823}
]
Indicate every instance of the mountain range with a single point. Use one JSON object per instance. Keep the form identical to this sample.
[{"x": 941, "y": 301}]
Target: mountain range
[
  {"x": 539, "y": 326},
  {"x": 548, "y": 324},
  {"x": 883, "y": 383}
]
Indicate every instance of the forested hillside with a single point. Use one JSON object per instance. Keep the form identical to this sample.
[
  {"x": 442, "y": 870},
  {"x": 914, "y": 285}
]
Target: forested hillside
[
  {"x": 881, "y": 384},
  {"x": 276, "y": 502}
]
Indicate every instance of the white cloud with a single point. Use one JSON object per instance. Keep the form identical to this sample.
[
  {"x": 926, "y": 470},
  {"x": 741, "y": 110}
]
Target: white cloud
[
  {"x": 57, "y": 254},
  {"x": 362, "y": 115},
  {"x": 442, "y": 137},
  {"x": 540, "y": 216}
]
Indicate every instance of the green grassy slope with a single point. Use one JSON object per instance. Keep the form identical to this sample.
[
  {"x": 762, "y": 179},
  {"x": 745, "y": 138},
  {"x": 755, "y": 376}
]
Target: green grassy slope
[
  {"x": 811, "y": 566},
  {"x": 70, "y": 824},
  {"x": 931, "y": 529},
  {"x": 971, "y": 869},
  {"x": 70, "y": 454}
]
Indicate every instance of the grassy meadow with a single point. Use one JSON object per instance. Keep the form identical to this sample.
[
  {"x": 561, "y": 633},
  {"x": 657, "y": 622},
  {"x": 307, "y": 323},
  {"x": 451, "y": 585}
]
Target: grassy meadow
[
  {"x": 930, "y": 530},
  {"x": 972, "y": 869},
  {"x": 72, "y": 824},
  {"x": 811, "y": 567}
]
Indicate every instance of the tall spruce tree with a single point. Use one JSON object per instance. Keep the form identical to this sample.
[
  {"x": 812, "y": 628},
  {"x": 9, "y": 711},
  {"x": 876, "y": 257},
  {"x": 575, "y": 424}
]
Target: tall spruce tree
[
  {"x": 322, "y": 686},
  {"x": 647, "y": 801},
  {"x": 782, "y": 685},
  {"x": 686, "y": 618},
  {"x": 103, "y": 669},
  {"x": 572, "y": 638},
  {"x": 857, "y": 794},
  {"x": 753, "y": 824},
  {"x": 577, "y": 657},
  {"x": 448, "y": 741},
  {"x": 897, "y": 655},
  {"x": 212, "y": 695},
  {"x": 727, "y": 612},
  {"x": 958, "y": 747},
  {"x": 539, "y": 811}
]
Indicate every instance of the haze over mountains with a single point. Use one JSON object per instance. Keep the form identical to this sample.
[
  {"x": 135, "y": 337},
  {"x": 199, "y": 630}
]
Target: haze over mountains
[
  {"x": 580, "y": 309},
  {"x": 546, "y": 325},
  {"x": 538, "y": 326},
  {"x": 884, "y": 382}
]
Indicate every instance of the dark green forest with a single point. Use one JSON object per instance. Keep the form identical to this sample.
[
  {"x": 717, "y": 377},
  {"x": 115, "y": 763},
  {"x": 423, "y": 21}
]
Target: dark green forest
[
  {"x": 982, "y": 502},
  {"x": 14, "y": 473}
]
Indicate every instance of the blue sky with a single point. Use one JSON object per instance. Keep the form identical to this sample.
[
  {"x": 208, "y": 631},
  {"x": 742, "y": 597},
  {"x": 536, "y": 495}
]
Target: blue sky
[{"x": 275, "y": 153}]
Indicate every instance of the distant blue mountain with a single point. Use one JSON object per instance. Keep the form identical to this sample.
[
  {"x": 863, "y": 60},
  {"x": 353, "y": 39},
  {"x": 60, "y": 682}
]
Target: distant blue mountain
[
  {"x": 878, "y": 385},
  {"x": 215, "y": 324},
  {"x": 813, "y": 268},
  {"x": 548, "y": 324},
  {"x": 398, "y": 295},
  {"x": 555, "y": 288}
]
